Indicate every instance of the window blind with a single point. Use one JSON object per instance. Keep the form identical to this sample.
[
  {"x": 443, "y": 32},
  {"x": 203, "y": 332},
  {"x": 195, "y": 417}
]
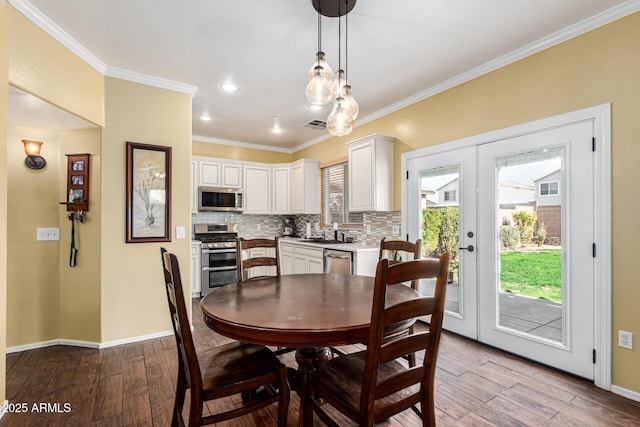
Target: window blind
[{"x": 335, "y": 196}]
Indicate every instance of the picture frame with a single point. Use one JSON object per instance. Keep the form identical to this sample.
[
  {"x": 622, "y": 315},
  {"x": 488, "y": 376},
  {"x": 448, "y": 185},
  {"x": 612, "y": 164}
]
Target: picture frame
[
  {"x": 77, "y": 180},
  {"x": 148, "y": 206},
  {"x": 77, "y": 165}
]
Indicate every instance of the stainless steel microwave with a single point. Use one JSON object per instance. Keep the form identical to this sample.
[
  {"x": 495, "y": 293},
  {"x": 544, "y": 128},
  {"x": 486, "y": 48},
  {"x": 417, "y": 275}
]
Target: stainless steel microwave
[{"x": 213, "y": 199}]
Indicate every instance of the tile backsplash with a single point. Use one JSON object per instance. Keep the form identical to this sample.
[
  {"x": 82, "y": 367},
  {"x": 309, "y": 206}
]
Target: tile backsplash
[{"x": 376, "y": 225}]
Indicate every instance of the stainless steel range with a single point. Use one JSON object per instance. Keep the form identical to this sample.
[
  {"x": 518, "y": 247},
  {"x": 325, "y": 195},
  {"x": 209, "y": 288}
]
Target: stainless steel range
[{"x": 218, "y": 254}]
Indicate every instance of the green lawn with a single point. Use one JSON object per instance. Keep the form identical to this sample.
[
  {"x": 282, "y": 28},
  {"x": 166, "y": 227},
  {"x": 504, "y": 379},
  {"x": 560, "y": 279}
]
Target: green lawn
[{"x": 532, "y": 273}]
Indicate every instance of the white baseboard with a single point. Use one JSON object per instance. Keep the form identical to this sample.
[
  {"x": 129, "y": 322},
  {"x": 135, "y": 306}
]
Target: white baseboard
[
  {"x": 629, "y": 394},
  {"x": 87, "y": 344}
]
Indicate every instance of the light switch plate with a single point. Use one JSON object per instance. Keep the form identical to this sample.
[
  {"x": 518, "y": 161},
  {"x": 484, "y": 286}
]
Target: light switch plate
[
  {"x": 180, "y": 232},
  {"x": 47, "y": 234}
]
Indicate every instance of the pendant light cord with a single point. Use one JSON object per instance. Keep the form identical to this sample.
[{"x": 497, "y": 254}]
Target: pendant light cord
[
  {"x": 319, "y": 36},
  {"x": 339, "y": 47},
  {"x": 346, "y": 43}
]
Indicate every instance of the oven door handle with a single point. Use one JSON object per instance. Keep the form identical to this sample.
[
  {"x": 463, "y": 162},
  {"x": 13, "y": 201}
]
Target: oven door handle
[
  {"x": 232, "y": 268},
  {"x": 218, "y": 251}
]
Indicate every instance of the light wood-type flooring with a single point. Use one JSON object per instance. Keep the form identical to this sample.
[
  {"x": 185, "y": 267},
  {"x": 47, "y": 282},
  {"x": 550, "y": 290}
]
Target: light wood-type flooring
[{"x": 133, "y": 385}]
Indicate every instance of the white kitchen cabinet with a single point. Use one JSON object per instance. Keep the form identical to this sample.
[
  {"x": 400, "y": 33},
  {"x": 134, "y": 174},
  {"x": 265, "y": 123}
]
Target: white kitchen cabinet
[
  {"x": 286, "y": 258},
  {"x": 263, "y": 270},
  {"x": 257, "y": 189},
  {"x": 305, "y": 186},
  {"x": 231, "y": 175},
  {"x": 280, "y": 191},
  {"x": 371, "y": 174},
  {"x": 218, "y": 173},
  {"x": 196, "y": 276},
  {"x": 307, "y": 260}
]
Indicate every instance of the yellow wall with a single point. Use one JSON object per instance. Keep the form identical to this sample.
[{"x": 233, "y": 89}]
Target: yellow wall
[
  {"x": 80, "y": 285},
  {"x": 133, "y": 297},
  {"x": 4, "y": 86},
  {"x": 33, "y": 267},
  {"x": 40, "y": 65},
  {"x": 239, "y": 153},
  {"x": 598, "y": 67}
]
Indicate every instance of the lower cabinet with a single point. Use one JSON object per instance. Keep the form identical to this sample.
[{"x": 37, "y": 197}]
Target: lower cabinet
[
  {"x": 299, "y": 259},
  {"x": 196, "y": 276},
  {"x": 261, "y": 271}
]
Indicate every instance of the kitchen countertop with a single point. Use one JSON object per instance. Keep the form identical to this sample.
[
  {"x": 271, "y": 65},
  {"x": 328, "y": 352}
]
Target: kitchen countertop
[{"x": 348, "y": 247}]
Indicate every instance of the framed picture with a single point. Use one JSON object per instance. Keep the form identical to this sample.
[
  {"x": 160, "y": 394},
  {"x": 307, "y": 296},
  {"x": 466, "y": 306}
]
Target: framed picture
[
  {"x": 148, "y": 193},
  {"x": 77, "y": 165},
  {"x": 77, "y": 180},
  {"x": 76, "y": 196}
]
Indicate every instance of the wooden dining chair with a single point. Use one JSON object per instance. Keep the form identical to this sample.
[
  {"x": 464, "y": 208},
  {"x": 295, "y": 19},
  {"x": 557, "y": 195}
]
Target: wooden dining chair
[
  {"x": 372, "y": 385},
  {"x": 226, "y": 370},
  {"x": 245, "y": 262},
  {"x": 404, "y": 251}
]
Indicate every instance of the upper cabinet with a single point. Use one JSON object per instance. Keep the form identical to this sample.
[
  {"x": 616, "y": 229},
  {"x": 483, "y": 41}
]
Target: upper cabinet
[
  {"x": 371, "y": 174},
  {"x": 305, "y": 186},
  {"x": 218, "y": 173},
  {"x": 257, "y": 189},
  {"x": 280, "y": 189}
]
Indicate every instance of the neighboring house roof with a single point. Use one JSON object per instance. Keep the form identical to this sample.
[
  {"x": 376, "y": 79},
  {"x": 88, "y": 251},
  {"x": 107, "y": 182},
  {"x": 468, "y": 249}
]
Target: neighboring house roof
[{"x": 547, "y": 175}]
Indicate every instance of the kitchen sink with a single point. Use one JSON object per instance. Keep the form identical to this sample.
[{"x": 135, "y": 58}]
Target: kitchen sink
[{"x": 322, "y": 241}]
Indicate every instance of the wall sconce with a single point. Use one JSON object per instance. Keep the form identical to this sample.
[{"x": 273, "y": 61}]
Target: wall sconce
[{"x": 32, "y": 149}]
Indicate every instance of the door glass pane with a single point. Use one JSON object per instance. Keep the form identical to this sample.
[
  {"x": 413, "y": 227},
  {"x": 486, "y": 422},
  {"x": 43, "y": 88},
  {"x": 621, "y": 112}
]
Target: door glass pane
[
  {"x": 440, "y": 206},
  {"x": 529, "y": 215}
]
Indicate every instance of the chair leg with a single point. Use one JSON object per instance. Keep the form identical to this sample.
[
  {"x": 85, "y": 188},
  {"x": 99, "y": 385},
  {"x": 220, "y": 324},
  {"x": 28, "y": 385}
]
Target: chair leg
[
  {"x": 181, "y": 390},
  {"x": 283, "y": 404}
]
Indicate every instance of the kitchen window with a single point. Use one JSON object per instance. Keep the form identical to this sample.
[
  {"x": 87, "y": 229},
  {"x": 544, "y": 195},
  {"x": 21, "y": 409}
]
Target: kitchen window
[{"x": 335, "y": 196}]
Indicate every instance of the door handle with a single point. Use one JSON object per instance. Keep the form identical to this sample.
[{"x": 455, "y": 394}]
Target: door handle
[{"x": 469, "y": 248}]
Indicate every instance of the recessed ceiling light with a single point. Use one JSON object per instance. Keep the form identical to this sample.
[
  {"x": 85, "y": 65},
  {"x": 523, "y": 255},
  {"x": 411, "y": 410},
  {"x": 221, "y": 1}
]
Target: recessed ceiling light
[
  {"x": 276, "y": 125},
  {"x": 205, "y": 117},
  {"x": 229, "y": 87}
]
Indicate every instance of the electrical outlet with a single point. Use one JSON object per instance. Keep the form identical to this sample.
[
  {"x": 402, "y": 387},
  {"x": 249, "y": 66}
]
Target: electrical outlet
[
  {"x": 625, "y": 339},
  {"x": 368, "y": 228},
  {"x": 396, "y": 229},
  {"x": 258, "y": 226},
  {"x": 47, "y": 234}
]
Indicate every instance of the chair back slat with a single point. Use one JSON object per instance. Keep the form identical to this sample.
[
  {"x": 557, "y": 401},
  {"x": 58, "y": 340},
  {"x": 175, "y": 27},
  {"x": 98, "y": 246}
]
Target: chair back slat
[
  {"x": 187, "y": 356},
  {"x": 244, "y": 264},
  {"x": 410, "y": 309},
  {"x": 400, "y": 347},
  {"x": 399, "y": 382},
  {"x": 418, "y": 379}
]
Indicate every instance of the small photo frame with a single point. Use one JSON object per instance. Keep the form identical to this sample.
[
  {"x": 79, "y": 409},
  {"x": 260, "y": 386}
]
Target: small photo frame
[
  {"x": 77, "y": 180},
  {"x": 77, "y": 165},
  {"x": 77, "y": 196}
]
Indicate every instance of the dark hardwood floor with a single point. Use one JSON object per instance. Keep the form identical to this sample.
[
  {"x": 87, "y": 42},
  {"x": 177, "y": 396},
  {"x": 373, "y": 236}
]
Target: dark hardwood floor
[{"x": 133, "y": 385}]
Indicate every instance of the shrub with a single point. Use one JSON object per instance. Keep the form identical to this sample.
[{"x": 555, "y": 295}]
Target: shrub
[
  {"x": 542, "y": 234},
  {"x": 509, "y": 237},
  {"x": 524, "y": 221}
]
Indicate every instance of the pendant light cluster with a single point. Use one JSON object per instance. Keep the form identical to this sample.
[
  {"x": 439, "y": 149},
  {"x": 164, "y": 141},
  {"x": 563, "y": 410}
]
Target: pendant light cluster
[{"x": 323, "y": 87}]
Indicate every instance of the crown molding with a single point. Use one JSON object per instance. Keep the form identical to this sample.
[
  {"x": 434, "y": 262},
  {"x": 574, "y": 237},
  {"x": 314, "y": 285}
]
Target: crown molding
[
  {"x": 133, "y": 76},
  {"x": 575, "y": 30},
  {"x": 51, "y": 28},
  {"x": 240, "y": 144}
]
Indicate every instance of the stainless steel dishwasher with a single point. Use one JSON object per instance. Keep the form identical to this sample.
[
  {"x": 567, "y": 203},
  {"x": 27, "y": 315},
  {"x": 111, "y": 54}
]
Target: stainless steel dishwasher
[{"x": 337, "y": 262}]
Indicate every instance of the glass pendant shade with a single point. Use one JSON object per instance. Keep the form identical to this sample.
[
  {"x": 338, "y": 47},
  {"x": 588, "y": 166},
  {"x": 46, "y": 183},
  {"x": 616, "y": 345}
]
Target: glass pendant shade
[
  {"x": 339, "y": 122},
  {"x": 350, "y": 103},
  {"x": 318, "y": 89},
  {"x": 322, "y": 62},
  {"x": 338, "y": 82}
]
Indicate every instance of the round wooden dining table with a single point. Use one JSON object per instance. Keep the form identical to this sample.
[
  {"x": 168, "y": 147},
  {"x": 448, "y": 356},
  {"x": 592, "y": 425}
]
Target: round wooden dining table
[{"x": 310, "y": 312}]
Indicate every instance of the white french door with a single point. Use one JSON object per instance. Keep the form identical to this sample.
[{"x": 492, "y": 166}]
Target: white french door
[
  {"x": 455, "y": 170},
  {"x": 549, "y": 174},
  {"x": 555, "y": 328}
]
